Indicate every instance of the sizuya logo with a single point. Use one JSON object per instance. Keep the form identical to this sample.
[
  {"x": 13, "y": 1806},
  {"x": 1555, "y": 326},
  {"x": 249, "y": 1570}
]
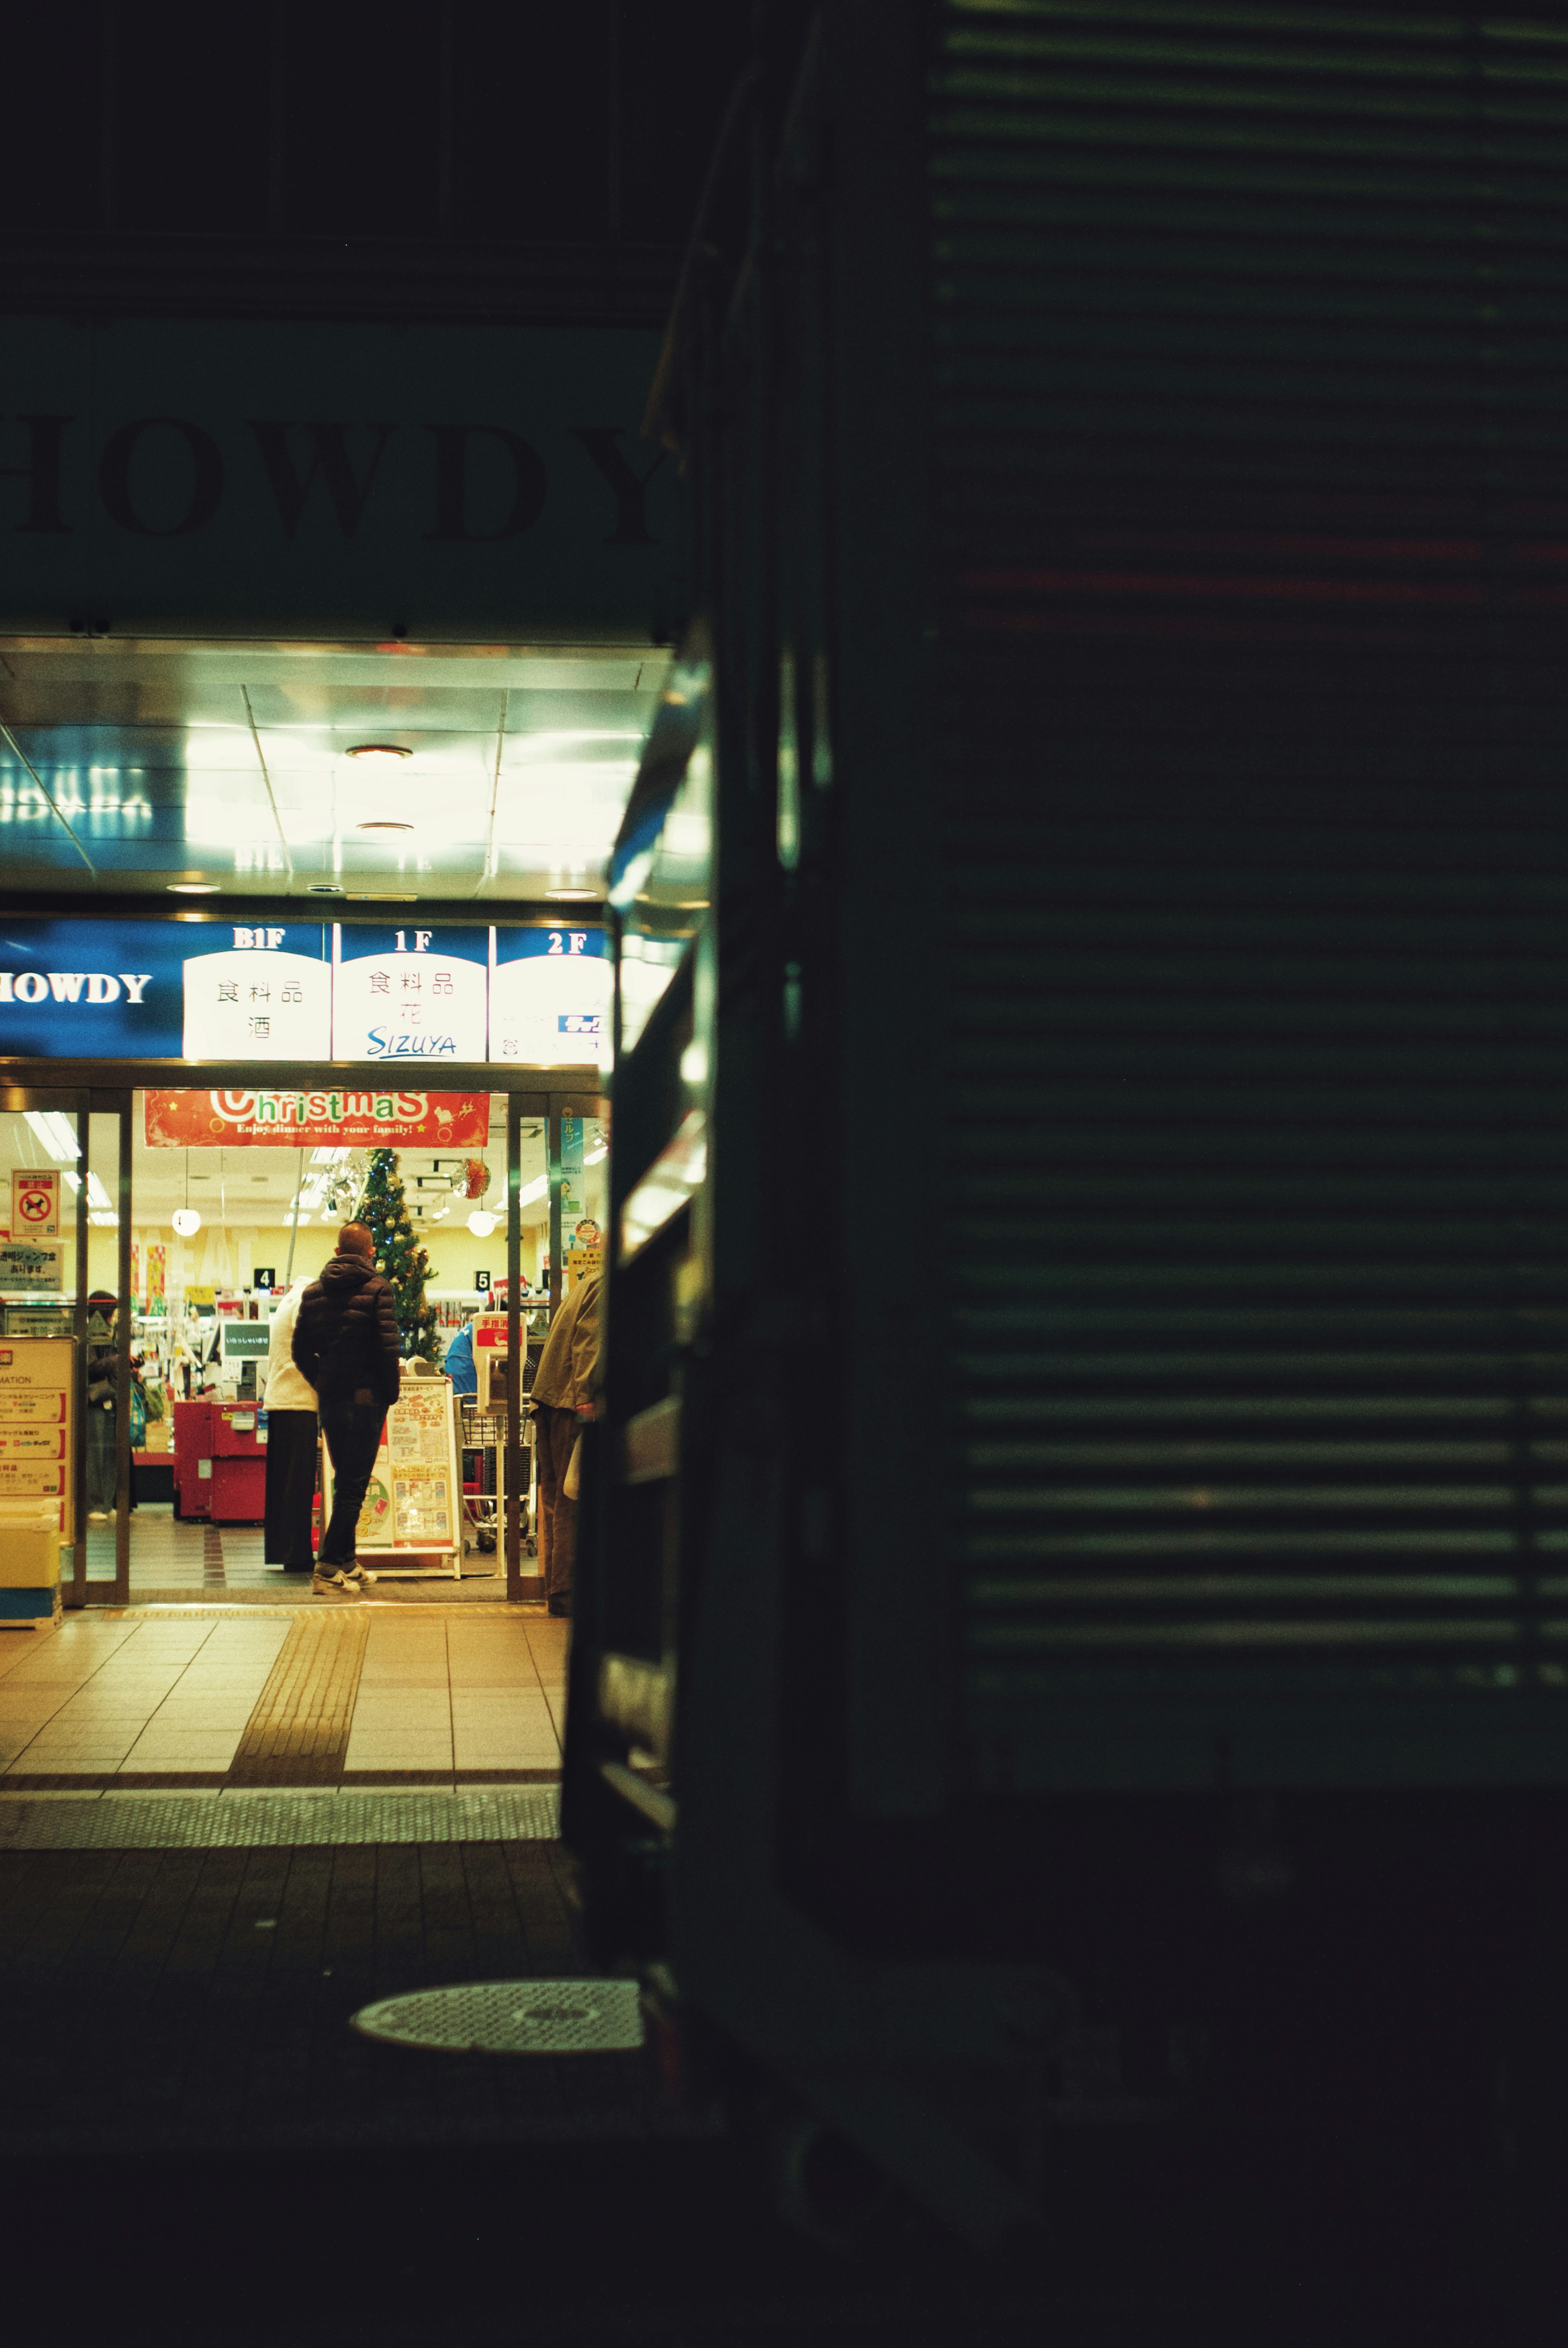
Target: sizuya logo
[
  {"x": 90, "y": 986},
  {"x": 379, "y": 1046}
]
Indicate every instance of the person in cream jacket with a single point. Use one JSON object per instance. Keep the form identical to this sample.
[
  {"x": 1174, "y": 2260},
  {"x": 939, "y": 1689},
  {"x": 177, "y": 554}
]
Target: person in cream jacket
[{"x": 291, "y": 1443}]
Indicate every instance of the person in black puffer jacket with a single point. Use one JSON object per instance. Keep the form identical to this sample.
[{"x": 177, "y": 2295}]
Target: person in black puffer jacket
[{"x": 346, "y": 1342}]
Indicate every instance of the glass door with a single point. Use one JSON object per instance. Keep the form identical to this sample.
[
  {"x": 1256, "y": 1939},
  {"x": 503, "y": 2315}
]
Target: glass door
[
  {"x": 65, "y": 1344},
  {"x": 238, "y": 1195}
]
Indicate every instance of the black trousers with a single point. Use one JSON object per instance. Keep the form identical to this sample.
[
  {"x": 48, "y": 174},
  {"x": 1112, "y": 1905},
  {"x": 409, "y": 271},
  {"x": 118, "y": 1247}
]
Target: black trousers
[
  {"x": 353, "y": 1430},
  {"x": 290, "y": 1487}
]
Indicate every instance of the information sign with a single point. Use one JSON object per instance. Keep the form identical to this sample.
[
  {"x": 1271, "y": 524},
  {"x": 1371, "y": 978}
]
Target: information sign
[
  {"x": 410, "y": 995},
  {"x": 159, "y": 989},
  {"x": 551, "y": 993},
  {"x": 37, "y": 1389},
  {"x": 245, "y": 1341},
  {"x": 33, "y": 1267}
]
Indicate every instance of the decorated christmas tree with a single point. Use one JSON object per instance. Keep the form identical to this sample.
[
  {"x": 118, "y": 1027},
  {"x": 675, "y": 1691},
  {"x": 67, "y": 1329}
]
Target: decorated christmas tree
[{"x": 405, "y": 1263}]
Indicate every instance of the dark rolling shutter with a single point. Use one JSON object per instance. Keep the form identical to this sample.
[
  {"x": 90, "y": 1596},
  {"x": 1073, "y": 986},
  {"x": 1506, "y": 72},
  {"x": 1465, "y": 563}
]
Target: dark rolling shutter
[{"x": 1252, "y": 482}]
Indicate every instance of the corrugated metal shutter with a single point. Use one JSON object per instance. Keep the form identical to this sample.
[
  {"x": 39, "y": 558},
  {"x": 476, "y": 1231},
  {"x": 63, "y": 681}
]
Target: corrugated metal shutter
[{"x": 1251, "y": 479}]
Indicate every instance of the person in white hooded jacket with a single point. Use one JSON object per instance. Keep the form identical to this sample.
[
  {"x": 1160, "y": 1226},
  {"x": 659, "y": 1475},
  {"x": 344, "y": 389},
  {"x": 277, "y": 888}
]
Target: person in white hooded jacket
[{"x": 291, "y": 1443}]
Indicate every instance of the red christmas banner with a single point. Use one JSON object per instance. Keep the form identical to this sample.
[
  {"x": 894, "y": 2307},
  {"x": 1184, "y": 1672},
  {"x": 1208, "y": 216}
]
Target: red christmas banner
[{"x": 347, "y": 1116}]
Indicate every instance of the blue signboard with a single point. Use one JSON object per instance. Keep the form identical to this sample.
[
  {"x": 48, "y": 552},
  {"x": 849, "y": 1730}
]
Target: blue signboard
[
  {"x": 118, "y": 990},
  {"x": 409, "y": 993},
  {"x": 302, "y": 992},
  {"x": 550, "y": 997}
]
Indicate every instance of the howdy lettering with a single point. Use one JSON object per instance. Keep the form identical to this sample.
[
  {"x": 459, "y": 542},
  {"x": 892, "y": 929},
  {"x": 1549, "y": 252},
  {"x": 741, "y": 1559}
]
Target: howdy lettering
[{"x": 67, "y": 986}]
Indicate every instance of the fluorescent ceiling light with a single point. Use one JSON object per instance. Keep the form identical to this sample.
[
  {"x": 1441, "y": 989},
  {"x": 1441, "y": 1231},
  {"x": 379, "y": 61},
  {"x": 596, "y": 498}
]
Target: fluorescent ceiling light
[
  {"x": 55, "y": 1132},
  {"x": 593, "y": 1156},
  {"x": 532, "y": 1191},
  {"x": 110, "y": 1218},
  {"x": 97, "y": 1195}
]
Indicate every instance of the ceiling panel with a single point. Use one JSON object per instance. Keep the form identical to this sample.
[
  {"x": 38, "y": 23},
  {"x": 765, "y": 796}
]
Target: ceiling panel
[{"x": 134, "y": 764}]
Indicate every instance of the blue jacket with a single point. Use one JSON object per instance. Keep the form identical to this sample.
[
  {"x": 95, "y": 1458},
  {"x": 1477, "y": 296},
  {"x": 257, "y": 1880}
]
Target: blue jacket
[{"x": 458, "y": 1361}]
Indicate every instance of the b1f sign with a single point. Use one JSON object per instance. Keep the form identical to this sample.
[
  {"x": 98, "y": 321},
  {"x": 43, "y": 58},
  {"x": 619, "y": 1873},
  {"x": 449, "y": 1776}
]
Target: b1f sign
[{"x": 35, "y": 1204}]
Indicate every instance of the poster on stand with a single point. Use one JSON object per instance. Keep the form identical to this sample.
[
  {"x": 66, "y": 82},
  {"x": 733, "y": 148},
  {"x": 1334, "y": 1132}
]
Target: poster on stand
[{"x": 411, "y": 1505}]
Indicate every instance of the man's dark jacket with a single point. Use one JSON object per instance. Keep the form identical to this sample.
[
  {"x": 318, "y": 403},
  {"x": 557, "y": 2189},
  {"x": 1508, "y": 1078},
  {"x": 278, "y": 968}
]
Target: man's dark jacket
[{"x": 345, "y": 1338}]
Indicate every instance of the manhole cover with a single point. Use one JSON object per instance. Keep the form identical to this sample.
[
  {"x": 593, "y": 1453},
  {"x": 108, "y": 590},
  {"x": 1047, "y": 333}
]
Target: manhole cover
[{"x": 519, "y": 2017}]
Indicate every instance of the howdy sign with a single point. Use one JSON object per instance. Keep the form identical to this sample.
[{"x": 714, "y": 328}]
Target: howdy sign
[
  {"x": 289, "y": 1120},
  {"x": 307, "y": 478}
]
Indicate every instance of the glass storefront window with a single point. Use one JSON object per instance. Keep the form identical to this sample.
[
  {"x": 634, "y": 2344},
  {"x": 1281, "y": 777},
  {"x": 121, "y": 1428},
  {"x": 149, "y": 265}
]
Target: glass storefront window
[{"x": 39, "y": 1186}]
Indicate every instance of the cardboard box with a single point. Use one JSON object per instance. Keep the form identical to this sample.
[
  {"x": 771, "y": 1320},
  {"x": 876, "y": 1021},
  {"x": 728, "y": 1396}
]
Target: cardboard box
[
  {"x": 157, "y": 1437},
  {"x": 30, "y": 1554}
]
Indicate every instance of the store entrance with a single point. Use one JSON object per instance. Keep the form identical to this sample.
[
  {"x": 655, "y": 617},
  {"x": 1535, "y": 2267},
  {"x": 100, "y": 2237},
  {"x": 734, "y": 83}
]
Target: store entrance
[{"x": 157, "y": 1257}]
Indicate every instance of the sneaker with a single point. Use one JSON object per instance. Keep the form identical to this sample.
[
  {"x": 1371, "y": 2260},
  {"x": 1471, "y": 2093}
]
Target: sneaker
[
  {"x": 331, "y": 1580},
  {"x": 356, "y": 1575}
]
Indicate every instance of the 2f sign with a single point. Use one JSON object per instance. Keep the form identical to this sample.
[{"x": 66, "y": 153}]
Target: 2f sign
[
  {"x": 569, "y": 942},
  {"x": 35, "y": 1204}
]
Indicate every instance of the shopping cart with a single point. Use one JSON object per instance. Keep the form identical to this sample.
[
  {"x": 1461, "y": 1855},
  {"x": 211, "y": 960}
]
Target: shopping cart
[{"x": 484, "y": 1481}]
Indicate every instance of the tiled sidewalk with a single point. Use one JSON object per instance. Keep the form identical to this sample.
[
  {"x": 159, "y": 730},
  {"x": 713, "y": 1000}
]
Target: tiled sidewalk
[{"x": 143, "y": 1696}]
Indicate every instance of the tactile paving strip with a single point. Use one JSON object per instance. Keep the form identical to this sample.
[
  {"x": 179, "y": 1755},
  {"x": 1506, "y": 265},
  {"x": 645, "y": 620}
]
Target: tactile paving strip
[
  {"x": 516, "y": 2017},
  {"x": 298, "y": 1732},
  {"x": 265, "y": 1821}
]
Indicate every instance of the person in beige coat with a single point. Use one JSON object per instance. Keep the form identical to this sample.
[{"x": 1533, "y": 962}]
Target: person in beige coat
[
  {"x": 565, "y": 1393},
  {"x": 291, "y": 1444}
]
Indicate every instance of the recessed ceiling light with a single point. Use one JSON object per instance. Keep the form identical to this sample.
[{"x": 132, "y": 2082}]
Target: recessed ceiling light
[
  {"x": 193, "y": 888},
  {"x": 378, "y": 750},
  {"x": 323, "y": 889},
  {"x": 386, "y": 824},
  {"x": 591, "y": 893}
]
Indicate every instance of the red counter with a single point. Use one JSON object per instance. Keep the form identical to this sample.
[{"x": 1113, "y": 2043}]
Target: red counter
[{"x": 220, "y": 1462}]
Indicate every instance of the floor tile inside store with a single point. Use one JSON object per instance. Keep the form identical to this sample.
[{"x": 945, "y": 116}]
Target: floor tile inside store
[
  {"x": 361, "y": 1692},
  {"x": 173, "y": 1556}
]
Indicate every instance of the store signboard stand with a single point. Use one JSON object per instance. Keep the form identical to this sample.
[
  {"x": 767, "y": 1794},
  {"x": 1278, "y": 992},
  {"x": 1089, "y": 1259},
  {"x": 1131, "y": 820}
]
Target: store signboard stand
[{"x": 411, "y": 1526}]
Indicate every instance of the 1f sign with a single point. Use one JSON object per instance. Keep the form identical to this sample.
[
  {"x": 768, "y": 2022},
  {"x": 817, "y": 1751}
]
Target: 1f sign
[{"x": 35, "y": 1204}]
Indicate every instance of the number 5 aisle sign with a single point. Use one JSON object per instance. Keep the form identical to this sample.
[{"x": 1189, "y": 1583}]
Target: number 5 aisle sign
[{"x": 35, "y": 1204}]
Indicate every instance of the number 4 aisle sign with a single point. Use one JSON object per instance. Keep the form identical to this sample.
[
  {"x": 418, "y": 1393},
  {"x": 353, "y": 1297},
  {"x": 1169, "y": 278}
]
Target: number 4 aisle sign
[{"x": 35, "y": 1204}]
